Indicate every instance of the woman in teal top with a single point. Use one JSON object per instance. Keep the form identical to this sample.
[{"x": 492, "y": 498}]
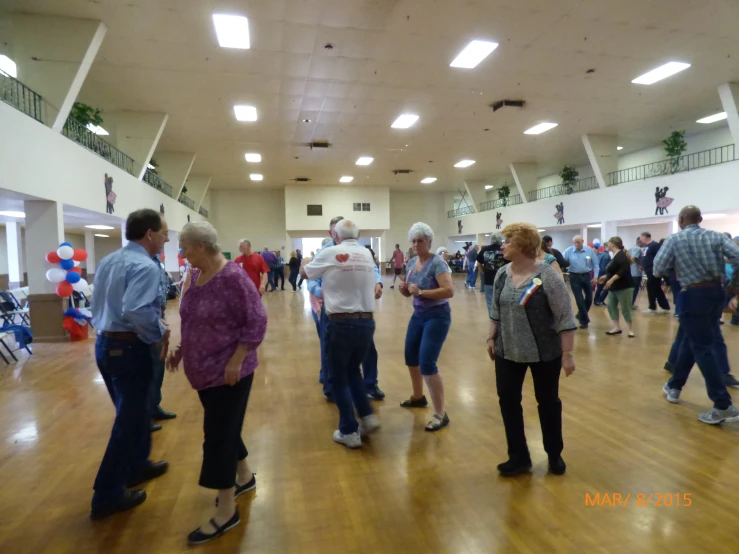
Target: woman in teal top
[{"x": 545, "y": 255}]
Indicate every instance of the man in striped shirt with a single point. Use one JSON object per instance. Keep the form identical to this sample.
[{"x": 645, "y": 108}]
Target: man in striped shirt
[{"x": 697, "y": 255}]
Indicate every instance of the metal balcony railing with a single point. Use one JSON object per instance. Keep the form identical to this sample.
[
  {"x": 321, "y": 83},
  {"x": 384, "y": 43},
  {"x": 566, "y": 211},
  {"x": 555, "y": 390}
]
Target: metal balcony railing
[
  {"x": 460, "y": 212},
  {"x": 76, "y": 131},
  {"x": 511, "y": 200},
  {"x": 689, "y": 162},
  {"x": 185, "y": 200},
  {"x": 202, "y": 211},
  {"x": 155, "y": 181},
  {"x": 589, "y": 183},
  {"x": 18, "y": 95}
]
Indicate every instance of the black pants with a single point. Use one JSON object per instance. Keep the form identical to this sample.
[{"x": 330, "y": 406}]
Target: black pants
[
  {"x": 509, "y": 378},
  {"x": 293, "y": 279},
  {"x": 655, "y": 294},
  {"x": 223, "y": 447},
  {"x": 279, "y": 276},
  {"x": 155, "y": 391}
]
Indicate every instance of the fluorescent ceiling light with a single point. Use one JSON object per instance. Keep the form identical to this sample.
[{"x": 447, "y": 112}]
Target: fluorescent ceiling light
[
  {"x": 364, "y": 160},
  {"x": 232, "y": 31},
  {"x": 100, "y": 227},
  {"x": 256, "y": 177},
  {"x": 245, "y": 113},
  {"x": 464, "y": 163},
  {"x": 102, "y": 236},
  {"x": 488, "y": 187},
  {"x": 487, "y": 235},
  {"x": 346, "y": 179},
  {"x": 715, "y": 216},
  {"x": 540, "y": 128},
  {"x": 619, "y": 147},
  {"x": 97, "y": 129},
  {"x": 428, "y": 180},
  {"x": 595, "y": 226},
  {"x": 404, "y": 121},
  {"x": 13, "y": 214},
  {"x": 662, "y": 72},
  {"x": 253, "y": 158},
  {"x": 8, "y": 66},
  {"x": 474, "y": 53},
  {"x": 542, "y": 230},
  {"x": 713, "y": 118}
]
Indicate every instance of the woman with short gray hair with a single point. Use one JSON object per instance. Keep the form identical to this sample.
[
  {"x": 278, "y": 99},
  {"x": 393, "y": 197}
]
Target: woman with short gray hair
[{"x": 223, "y": 321}]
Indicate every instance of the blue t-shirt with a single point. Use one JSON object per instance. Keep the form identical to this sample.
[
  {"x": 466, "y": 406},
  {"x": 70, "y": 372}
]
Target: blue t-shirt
[{"x": 426, "y": 280}]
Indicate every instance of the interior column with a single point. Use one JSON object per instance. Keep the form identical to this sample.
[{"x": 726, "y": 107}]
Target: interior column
[
  {"x": 90, "y": 262},
  {"x": 524, "y": 174},
  {"x": 15, "y": 254}
]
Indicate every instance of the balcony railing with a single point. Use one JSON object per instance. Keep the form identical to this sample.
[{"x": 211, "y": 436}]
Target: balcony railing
[
  {"x": 589, "y": 183},
  {"x": 189, "y": 202},
  {"x": 21, "y": 97},
  {"x": 467, "y": 210},
  {"x": 76, "y": 131},
  {"x": 512, "y": 200},
  {"x": 155, "y": 181},
  {"x": 689, "y": 162},
  {"x": 202, "y": 211}
]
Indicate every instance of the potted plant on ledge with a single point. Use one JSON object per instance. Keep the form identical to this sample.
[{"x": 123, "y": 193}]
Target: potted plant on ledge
[
  {"x": 569, "y": 177},
  {"x": 503, "y": 193},
  {"x": 675, "y": 146}
]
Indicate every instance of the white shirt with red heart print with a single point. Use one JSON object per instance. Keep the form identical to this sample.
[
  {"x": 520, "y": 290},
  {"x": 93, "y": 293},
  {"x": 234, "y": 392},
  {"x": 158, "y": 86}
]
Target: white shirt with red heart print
[{"x": 348, "y": 273}]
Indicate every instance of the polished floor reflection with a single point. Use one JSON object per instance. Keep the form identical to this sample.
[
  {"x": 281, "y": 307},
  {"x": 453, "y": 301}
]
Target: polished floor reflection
[{"x": 406, "y": 490}]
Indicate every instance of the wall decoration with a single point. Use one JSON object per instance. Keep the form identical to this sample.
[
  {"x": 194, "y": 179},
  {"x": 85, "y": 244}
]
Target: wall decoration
[
  {"x": 560, "y": 215},
  {"x": 498, "y": 220},
  {"x": 67, "y": 276},
  {"x": 161, "y": 209},
  {"x": 660, "y": 197},
  {"x": 459, "y": 226},
  {"x": 110, "y": 196}
]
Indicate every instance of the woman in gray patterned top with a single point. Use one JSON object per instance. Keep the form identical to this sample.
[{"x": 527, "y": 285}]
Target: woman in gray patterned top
[{"x": 532, "y": 325}]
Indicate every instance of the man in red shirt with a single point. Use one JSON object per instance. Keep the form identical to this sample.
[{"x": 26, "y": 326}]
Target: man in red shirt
[
  {"x": 254, "y": 265},
  {"x": 398, "y": 260}
]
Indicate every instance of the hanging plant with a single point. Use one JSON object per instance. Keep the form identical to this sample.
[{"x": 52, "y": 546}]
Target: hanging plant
[
  {"x": 184, "y": 190},
  {"x": 503, "y": 193},
  {"x": 675, "y": 146},
  {"x": 569, "y": 175}
]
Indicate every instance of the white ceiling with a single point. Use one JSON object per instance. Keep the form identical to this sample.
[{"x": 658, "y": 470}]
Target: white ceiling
[{"x": 392, "y": 56}]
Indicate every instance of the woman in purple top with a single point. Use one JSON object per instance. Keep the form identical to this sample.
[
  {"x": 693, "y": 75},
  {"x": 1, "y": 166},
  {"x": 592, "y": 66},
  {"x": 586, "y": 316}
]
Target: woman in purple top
[
  {"x": 428, "y": 280},
  {"x": 223, "y": 321}
]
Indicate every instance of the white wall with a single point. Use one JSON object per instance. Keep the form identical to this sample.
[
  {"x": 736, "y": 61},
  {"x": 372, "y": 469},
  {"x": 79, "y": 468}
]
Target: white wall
[
  {"x": 336, "y": 201},
  {"x": 629, "y": 233},
  {"x": 105, "y": 246},
  {"x": 407, "y": 208}
]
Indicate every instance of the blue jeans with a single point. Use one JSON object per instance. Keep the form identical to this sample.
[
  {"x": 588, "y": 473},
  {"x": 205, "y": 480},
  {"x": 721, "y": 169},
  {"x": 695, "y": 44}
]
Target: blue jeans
[
  {"x": 637, "y": 286},
  {"x": 126, "y": 367},
  {"x": 734, "y": 317},
  {"x": 701, "y": 341},
  {"x": 347, "y": 343},
  {"x": 369, "y": 367},
  {"x": 471, "y": 276},
  {"x": 489, "y": 299},
  {"x": 324, "y": 376},
  {"x": 427, "y": 331},
  {"x": 675, "y": 288},
  {"x": 582, "y": 288},
  {"x": 155, "y": 390}
]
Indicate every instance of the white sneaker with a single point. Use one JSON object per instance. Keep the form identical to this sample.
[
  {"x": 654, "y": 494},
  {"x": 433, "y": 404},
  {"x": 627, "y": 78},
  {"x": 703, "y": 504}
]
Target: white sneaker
[
  {"x": 350, "y": 441},
  {"x": 647, "y": 311},
  {"x": 661, "y": 311},
  {"x": 714, "y": 416},
  {"x": 673, "y": 395},
  {"x": 368, "y": 424}
]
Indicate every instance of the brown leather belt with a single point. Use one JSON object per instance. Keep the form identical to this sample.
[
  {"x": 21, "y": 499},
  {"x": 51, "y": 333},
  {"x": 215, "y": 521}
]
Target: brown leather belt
[
  {"x": 122, "y": 335},
  {"x": 706, "y": 284},
  {"x": 354, "y": 315}
]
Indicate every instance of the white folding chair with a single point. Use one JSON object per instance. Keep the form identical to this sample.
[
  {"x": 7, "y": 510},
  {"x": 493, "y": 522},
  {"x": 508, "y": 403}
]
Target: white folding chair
[{"x": 21, "y": 308}]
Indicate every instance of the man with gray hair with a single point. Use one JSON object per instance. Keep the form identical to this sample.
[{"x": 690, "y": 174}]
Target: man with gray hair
[
  {"x": 489, "y": 261},
  {"x": 583, "y": 277},
  {"x": 349, "y": 291},
  {"x": 254, "y": 265}
]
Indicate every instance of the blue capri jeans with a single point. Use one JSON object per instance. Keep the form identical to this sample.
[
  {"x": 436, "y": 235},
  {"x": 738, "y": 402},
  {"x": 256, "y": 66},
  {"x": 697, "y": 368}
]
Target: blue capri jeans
[{"x": 427, "y": 331}]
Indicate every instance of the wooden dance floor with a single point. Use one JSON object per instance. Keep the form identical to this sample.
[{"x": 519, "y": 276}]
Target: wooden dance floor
[{"x": 406, "y": 490}]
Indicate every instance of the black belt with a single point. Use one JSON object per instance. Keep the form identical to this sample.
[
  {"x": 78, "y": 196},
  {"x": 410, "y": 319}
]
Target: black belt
[
  {"x": 122, "y": 335},
  {"x": 354, "y": 315},
  {"x": 586, "y": 273},
  {"x": 705, "y": 284}
]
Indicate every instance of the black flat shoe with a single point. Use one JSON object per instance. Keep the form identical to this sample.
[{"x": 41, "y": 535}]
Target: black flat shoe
[
  {"x": 612, "y": 333},
  {"x": 130, "y": 499},
  {"x": 198, "y": 537},
  {"x": 241, "y": 489},
  {"x": 156, "y": 469},
  {"x": 375, "y": 393},
  {"x": 557, "y": 465},
  {"x": 415, "y": 402},
  {"x": 155, "y": 427},
  {"x": 512, "y": 468},
  {"x": 161, "y": 415}
]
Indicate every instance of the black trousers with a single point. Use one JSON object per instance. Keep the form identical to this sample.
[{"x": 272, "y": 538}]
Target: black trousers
[
  {"x": 655, "y": 294},
  {"x": 509, "y": 378},
  {"x": 224, "y": 407}
]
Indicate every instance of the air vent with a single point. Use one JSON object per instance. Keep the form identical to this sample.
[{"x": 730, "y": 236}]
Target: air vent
[
  {"x": 507, "y": 103},
  {"x": 301, "y": 179},
  {"x": 315, "y": 209},
  {"x": 319, "y": 144},
  {"x": 404, "y": 171}
]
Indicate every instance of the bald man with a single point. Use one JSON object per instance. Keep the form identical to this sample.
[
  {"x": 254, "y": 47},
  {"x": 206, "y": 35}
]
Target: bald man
[{"x": 697, "y": 255}]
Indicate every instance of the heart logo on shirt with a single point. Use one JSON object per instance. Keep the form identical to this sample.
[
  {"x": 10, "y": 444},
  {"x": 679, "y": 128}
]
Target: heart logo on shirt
[{"x": 342, "y": 258}]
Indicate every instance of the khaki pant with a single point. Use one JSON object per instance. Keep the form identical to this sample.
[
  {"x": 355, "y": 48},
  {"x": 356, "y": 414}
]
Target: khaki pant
[{"x": 624, "y": 298}]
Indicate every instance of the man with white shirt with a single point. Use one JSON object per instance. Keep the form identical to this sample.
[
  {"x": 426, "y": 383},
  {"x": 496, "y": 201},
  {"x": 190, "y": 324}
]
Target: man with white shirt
[{"x": 348, "y": 286}]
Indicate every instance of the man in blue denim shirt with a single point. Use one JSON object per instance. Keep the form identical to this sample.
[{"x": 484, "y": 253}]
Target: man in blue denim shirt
[
  {"x": 582, "y": 262},
  {"x": 126, "y": 311}
]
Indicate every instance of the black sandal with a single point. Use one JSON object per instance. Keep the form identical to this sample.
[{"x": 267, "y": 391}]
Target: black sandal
[
  {"x": 437, "y": 423},
  {"x": 415, "y": 402},
  {"x": 241, "y": 489},
  {"x": 198, "y": 537}
]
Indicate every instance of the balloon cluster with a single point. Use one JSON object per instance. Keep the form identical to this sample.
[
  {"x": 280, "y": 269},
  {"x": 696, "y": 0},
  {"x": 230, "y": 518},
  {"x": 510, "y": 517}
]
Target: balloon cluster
[
  {"x": 180, "y": 259},
  {"x": 68, "y": 275}
]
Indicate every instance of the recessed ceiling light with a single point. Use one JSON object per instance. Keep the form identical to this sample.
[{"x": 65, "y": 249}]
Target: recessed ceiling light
[
  {"x": 364, "y": 160},
  {"x": 662, "y": 72},
  {"x": 488, "y": 187},
  {"x": 232, "y": 31},
  {"x": 253, "y": 158},
  {"x": 464, "y": 163},
  {"x": 8, "y": 66},
  {"x": 306, "y": 121},
  {"x": 542, "y": 230},
  {"x": 713, "y": 118},
  {"x": 428, "y": 180},
  {"x": 256, "y": 177},
  {"x": 473, "y": 53},
  {"x": 245, "y": 113},
  {"x": 540, "y": 128},
  {"x": 594, "y": 226},
  {"x": 619, "y": 147},
  {"x": 102, "y": 236},
  {"x": 404, "y": 121},
  {"x": 13, "y": 214},
  {"x": 346, "y": 179},
  {"x": 97, "y": 129},
  {"x": 100, "y": 227}
]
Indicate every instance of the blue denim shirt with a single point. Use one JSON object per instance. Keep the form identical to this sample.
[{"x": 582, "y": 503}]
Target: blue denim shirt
[{"x": 579, "y": 262}]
